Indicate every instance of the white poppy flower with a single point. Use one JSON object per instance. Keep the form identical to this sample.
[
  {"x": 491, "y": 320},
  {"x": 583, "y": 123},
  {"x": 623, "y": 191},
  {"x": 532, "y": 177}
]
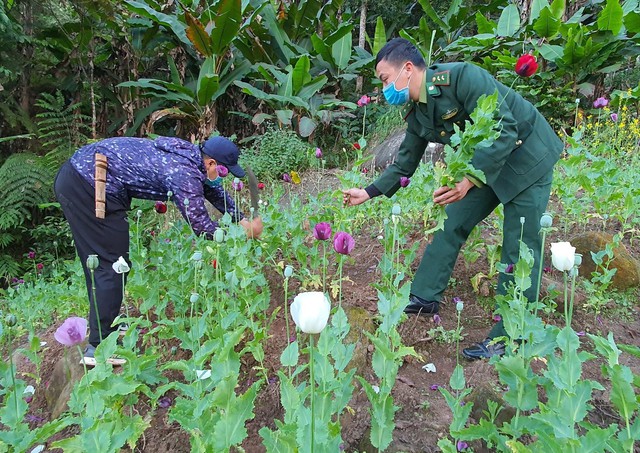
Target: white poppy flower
[
  {"x": 310, "y": 311},
  {"x": 563, "y": 256},
  {"x": 121, "y": 266}
]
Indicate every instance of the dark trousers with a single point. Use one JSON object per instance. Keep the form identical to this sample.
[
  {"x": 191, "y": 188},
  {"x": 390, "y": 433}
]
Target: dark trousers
[
  {"x": 432, "y": 276},
  {"x": 108, "y": 238}
]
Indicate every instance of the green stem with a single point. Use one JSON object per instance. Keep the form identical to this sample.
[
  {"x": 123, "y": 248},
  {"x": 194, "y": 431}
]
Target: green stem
[
  {"x": 573, "y": 291},
  {"x": 364, "y": 118},
  {"x": 95, "y": 303},
  {"x": 340, "y": 276},
  {"x": 544, "y": 237},
  {"x": 85, "y": 374},
  {"x": 566, "y": 305},
  {"x": 286, "y": 314},
  {"x": 126, "y": 306},
  {"x": 324, "y": 266},
  {"x": 313, "y": 385},
  {"x": 13, "y": 375}
]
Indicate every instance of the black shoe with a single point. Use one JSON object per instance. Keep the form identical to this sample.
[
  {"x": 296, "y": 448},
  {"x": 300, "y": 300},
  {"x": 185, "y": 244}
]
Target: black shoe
[
  {"x": 421, "y": 306},
  {"x": 484, "y": 350}
]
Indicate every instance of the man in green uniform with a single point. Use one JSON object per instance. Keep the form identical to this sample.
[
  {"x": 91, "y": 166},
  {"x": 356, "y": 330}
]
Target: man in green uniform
[{"x": 518, "y": 168}]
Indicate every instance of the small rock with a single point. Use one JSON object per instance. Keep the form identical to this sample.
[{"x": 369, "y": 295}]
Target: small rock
[
  {"x": 628, "y": 268},
  {"x": 429, "y": 368},
  {"x": 66, "y": 373}
]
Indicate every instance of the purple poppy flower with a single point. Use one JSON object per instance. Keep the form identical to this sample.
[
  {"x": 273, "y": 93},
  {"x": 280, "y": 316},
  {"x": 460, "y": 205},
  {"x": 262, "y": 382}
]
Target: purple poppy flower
[
  {"x": 509, "y": 269},
  {"x": 322, "y": 231},
  {"x": 286, "y": 177},
  {"x": 343, "y": 243},
  {"x": 581, "y": 333},
  {"x": 164, "y": 402},
  {"x": 497, "y": 318},
  {"x": 436, "y": 319},
  {"x": 614, "y": 117},
  {"x": 547, "y": 270},
  {"x": 434, "y": 387},
  {"x": 462, "y": 445},
  {"x": 600, "y": 102},
  {"x": 404, "y": 181},
  {"x": 31, "y": 255},
  {"x": 272, "y": 380},
  {"x": 237, "y": 185},
  {"x": 72, "y": 331},
  {"x": 222, "y": 170},
  {"x": 318, "y": 153}
]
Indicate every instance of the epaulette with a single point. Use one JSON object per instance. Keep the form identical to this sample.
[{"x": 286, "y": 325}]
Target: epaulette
[
  {"x": 406, "y": 110},
  {"x": 442, "y": 78}
]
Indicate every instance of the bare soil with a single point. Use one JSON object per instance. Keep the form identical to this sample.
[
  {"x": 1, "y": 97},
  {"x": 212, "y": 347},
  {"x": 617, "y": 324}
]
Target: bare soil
[{"x": 423, "y": 417}]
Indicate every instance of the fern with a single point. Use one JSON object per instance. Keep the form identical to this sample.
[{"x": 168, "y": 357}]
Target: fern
[
  {"x": 61, "y": 128},
  {"x": 25, "y": 185}
]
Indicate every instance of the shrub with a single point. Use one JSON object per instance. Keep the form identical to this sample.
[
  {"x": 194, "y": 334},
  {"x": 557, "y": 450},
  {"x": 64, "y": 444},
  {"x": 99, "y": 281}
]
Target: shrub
[{"x": 276, "y": 152}]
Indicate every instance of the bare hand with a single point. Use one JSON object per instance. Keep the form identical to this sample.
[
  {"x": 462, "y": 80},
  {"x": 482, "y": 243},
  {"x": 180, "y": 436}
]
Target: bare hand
[
  {"x": 254, "y": 227},
  {"x": 447, "y": 195},
  {"x": 353, "y": 197}
]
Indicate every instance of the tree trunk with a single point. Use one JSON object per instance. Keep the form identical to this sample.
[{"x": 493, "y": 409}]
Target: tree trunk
[
  {"x": 524, "y": 6},
  {"x": 361, "y": 40},
  {"x": 27, "y": 54}
]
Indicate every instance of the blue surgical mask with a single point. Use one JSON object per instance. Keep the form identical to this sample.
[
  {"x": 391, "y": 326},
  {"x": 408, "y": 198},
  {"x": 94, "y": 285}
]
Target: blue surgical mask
[
  {"x": 213, "y": 182},
  {"x": 395, "y": 96}
]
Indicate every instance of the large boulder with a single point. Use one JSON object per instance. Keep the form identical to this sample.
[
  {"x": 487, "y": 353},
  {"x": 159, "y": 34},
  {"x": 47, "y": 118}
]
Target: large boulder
[
  {"x": 628, "y": 268},
  {"x": 384, "y": 154},
  {"x": 66, "y": 373}
]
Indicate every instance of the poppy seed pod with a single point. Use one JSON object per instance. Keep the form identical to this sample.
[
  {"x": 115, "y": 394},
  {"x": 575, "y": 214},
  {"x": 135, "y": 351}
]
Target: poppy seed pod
[
  {"x": 92, "y": 262},
  {"x": 546, "y": 220},
  {"x": 288, "y": 271}
]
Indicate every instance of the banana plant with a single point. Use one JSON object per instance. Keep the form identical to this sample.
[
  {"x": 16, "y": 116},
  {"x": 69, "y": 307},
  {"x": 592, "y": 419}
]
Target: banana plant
[
  {"x": 194, "y": 99},
  {"x": 295, "y": 97}
]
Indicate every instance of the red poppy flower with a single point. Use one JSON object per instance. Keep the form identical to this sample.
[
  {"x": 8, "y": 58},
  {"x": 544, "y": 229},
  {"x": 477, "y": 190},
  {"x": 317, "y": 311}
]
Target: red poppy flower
[
  {"x": 39, "y": 266},
  {"x": 214, "y": 263},
  {"x": 161, "y": 207},
  {"x": 261, "y": 186},
  {"x": 356, "y": 145},
  {"x": 526, "y": 66}
]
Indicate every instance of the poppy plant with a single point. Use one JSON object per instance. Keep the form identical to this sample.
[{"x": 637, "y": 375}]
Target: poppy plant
[
  {"x": 31, "y": 255},
  {"x": 364, "y": 100},
  {"x": 600, "y": 102},
  {"x": 222, "y": 170},
  {"x": 237, "y": 184},
  {"x": 322, "y": 231},
  {"x": 526, "y": 66},
  {"x": 161, "y": 207},
  {"x": 72, "y": 332},
  {"x": 343, "y": 243}
]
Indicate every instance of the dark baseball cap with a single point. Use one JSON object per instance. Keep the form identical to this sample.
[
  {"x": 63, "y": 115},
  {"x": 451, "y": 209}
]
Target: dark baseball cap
[{"x": 225, "y": 152}]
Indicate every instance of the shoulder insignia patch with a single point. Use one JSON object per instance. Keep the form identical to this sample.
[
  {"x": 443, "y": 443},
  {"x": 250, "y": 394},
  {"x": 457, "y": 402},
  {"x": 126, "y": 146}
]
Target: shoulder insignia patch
[
  {"x": 442, "y": 78},
  {"x": 433, "y": 90}
]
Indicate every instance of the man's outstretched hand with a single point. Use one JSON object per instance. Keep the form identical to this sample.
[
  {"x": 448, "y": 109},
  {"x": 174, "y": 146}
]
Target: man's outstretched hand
[{"x": 353, "y": 197}]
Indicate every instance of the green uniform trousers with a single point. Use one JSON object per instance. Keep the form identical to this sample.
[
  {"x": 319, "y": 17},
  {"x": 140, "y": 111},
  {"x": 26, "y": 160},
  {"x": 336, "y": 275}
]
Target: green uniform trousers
[{"x": 432, "y": 276}]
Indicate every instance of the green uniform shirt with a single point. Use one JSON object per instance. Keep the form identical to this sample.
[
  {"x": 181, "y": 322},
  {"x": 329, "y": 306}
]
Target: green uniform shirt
[{"x": 526, "y": 149}]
